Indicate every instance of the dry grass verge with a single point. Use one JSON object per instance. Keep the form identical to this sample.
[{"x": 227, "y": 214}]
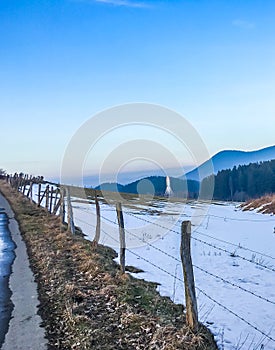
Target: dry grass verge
[
  {"x": 265, "y": 204},
  {"x": 85, "y": 302}
]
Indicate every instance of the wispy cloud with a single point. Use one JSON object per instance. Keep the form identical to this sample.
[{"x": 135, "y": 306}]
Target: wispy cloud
[
  {"x": 243, "y": 24},
  {"x": 120, "y": 3}
]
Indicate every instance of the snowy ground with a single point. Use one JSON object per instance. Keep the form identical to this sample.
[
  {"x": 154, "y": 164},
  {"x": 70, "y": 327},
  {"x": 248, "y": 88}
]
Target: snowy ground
[{"x": 233, "y": 257}]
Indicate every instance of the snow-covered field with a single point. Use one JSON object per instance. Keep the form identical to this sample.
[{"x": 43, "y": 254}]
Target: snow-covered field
[
  {"x": 219, "y": 235},
  {"x": 233, "y": 256}
]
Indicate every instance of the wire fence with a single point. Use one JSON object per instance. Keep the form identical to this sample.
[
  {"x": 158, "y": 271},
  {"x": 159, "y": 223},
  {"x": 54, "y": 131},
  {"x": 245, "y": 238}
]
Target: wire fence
[
  {"x": 210, "y": 244},
  {"x": 199, "y": 268},
  {"x": 232, "y": 284},
  {"x": 143, "y": 240},
  {"x": 175, "y": 229}
]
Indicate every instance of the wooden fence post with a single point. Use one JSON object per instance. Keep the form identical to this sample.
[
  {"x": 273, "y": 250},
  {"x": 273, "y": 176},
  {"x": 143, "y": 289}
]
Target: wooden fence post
[
  {"x": 31, "y": 187},
  {"x": 21, "y": 179},
  {"x": 57, "y": 191},
  {"x": 42, "y": 197},
  {"x": 97, "y": 230},
  {"x": 62, "y": 206},
  {"x": 14, "y": 183},
  {"x": 29, "y": 193},
  {"x": 47, "y": 190},
  {"x": 39, "y": 194},
  {"x": 57, "y": 201},
  {"x": 190, "y": 292},
  {"x": 25, "y": 184},
  {"x": 51, "y": 200},
  {"x": 70, "y": 217},
  {"x": 121, "y": 236}
]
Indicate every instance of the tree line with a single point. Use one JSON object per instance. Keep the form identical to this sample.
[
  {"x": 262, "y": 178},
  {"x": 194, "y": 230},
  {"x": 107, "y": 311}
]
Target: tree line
[{"x": 244, "y": 182}]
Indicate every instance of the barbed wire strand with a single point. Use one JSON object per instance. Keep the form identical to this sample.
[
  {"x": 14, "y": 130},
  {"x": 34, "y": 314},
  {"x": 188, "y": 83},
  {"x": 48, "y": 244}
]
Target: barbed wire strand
[
  {"x": 204, "y": 234},
  {"x": 230, "y": 218},
  {"x": 234, "y": 255},
  {"x": 209, "y": 244},
  {"x": 205, "y": 243},
  {"x": 234, "y": 245},
  {"x": 199, "y": 289},
  {"x": 197, "y": 267},
  {"x": 208, "y": 296}
]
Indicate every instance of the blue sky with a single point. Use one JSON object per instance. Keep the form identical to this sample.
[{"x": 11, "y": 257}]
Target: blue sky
[{"x": 62, "y": 61}]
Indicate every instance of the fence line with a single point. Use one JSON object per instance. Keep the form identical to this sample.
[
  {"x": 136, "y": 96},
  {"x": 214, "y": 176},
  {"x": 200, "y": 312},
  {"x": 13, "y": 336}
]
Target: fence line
[
  {"x": 266, "y": 335},
  {"x": 206, "y": 295},
  {"x": 199, "y": 289},
  {"x": 225, "y": 218},
  {"x": 55, "y": 199},
  {"x": 206, "y": 243},
  {"x": 204, "y": 234},
  {"x": 203, "y": 242},
  {"x": 197, "y": 267}
]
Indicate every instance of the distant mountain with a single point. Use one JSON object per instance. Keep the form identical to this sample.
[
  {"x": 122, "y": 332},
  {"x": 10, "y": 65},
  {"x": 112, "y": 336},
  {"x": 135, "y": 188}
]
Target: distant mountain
[
  {"x": 228, "y": 159},
  {"x": 189, "y": 184},
  {"x": 110, "y": 187},
  {"x": 155, "y": 185}
]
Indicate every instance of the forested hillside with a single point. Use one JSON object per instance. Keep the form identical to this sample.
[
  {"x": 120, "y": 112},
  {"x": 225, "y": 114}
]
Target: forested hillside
[
  {"x": 227, "y": 159},
  {"x": 245, "y": 181}
]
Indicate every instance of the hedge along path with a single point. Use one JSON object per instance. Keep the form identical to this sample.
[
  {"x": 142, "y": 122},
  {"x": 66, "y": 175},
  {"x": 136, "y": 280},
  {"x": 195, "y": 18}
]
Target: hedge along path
[{"x": 86, "y": 302}]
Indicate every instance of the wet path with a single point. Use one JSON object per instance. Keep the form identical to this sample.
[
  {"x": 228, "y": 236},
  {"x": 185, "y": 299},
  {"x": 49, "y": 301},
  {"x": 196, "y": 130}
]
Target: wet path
[
  {"x": 24, "y": 331},
  {"x": 7, "y": 256}
]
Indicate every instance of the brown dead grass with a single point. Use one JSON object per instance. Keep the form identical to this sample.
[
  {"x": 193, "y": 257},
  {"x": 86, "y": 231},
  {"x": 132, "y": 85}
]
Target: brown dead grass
[
  {"x": 265, "y": 204},
  {"x": 85, "y": 302}
]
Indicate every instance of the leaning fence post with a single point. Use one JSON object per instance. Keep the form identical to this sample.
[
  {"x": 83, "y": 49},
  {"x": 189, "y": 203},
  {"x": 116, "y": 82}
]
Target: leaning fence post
[
  {"x": 57, "y": 201},
  {"x": 42, "y": 197},
  {"x": 121, "y": 236},
  {"x": 97, "y": 230},
  {"x": 39, "y": 194},
  {"x": 29, "y": 193},
  {"x": 70, "y": 217},
  {"x": 55, "y": 198},
  {"x": 190, "y": 292}
]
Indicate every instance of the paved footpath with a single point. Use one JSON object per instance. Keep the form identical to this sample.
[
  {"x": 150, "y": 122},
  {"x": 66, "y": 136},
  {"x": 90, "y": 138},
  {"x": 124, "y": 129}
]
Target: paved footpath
[{"x": 24, "y": 331}]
